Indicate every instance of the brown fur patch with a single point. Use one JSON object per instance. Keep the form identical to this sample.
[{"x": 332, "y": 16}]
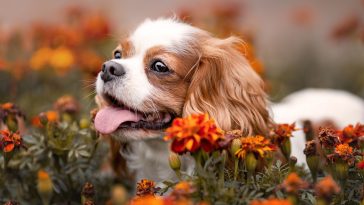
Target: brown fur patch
[
  {"x": 172, "y": 87},
  {"x": 126, "y": 47}
]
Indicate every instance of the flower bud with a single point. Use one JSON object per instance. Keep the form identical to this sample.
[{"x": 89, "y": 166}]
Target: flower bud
[
  {"x": 286, "y": 148},
  {"x": 174, "y": 162},
  {"x": 44, "y": 186},
  {"x": 292, "y": 163},
  {"x": 84, "y": 123},
  {"x": 66, "y": 117},
  {"x": 251, "y": 162},
  {"x": 235, "y": 146},
  {"x": 43, "y": 118}
]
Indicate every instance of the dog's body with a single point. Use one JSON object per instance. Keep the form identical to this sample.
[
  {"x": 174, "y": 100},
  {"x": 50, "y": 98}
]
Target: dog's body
[{"x": 168, "y": 69}]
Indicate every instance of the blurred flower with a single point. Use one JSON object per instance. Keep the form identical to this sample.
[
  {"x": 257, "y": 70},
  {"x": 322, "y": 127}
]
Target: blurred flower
[
  {"x": 8, "y": 108},
  {"x": 90, "y": 62},
  {"x": 40, "y": 58},
  {"x": 351, "y": 134},
  {"x": 145, "y": 187},
  {"x": 10, "y": 141},
  {"x": 45, "y": 117},
  {"x": 328, "y": 137},
  {"x": 11, "y": 203},
  {"x": 194, "y": 132},
  {"x": 360, "y": 165},
  {"x": 96, "y": 27},
  {"x": 3, "y": 64},
  {"x": 326, "y": 188},
  {"x": 62, "y": 59},
  {"x": 271, "y": 202},
  {"x": 44, "y": 186},
  {"x": 293, "y": 183},
  {"x": 150, "y": 200},
  {"x": 283, "y": 131},
  {"x": 119, "y": 195},
  {"x": 255, "y": 144},
  {"x": 67, "y": 104},
  {"x": 182, "y": 190},
  {"x": 345, "y": 27},
  {"x": 303, "y": 16}
]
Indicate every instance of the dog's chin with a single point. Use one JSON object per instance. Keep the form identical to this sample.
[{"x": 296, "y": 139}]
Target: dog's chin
[{"x": 129, "y": 135}]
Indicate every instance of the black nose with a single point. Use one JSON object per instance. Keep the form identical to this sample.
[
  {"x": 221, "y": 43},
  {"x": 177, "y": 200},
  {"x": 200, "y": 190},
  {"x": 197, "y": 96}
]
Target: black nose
[{"x": 111, "y": 70}]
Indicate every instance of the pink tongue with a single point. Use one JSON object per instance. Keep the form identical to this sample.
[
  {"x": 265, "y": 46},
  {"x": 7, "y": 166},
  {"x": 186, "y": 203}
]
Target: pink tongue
[{"x": 108, "y": 119}]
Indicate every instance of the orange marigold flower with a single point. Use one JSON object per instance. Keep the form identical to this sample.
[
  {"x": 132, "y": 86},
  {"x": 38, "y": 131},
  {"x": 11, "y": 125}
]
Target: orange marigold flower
[
  {"x": 10, "y": 141},
  {"x": 343, "y": 150},
  {"x": 283, "y": 131},
  {"x": 326, "y": 187},
  {"x": 145, "y": 187},
  {"x": 351, "y": 133},
  {"x": 7, "y": 106},
  {"x": 182, "y": 189},
  {"x": 293, "y": 183},
  {"x": 328, "y": 137},
  {"x": 360, "y": 165},
  {"x": 44, "y": 117},
  {"x": 194, "y": 132},
  {"x": 7, "y": 109},
  {"x": 62, "y": 59},
  {"x": 271, "y": 202},
  {"x": 255, "y": 144},
  {"x": 150, "y": 200},
  {"x": 40, "y": 58},
  {"x": 67, "y": 104}
]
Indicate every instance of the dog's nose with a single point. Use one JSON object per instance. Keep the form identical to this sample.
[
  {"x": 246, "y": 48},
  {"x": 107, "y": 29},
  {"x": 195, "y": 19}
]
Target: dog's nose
[{"x": 111, "y": 70}]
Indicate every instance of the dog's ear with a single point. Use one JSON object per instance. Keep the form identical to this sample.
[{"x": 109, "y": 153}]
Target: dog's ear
[{"x": 226, "y": 87}]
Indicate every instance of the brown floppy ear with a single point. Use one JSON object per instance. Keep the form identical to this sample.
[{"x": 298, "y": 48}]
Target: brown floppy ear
[{"x": 228, "y": 89}]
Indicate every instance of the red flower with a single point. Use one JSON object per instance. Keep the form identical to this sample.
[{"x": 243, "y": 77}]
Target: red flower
[
  {"x": 282, "y": 132},
  {"x": 360, "y": 165},
  {"x": 9, "y": 141},
  {"x": 194, "y": 132},
  {"x": 350, "y": 133}
]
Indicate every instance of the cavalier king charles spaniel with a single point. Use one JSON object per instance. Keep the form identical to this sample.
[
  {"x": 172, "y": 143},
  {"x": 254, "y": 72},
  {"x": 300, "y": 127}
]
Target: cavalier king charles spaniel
[{"x": 167, "y": 69}]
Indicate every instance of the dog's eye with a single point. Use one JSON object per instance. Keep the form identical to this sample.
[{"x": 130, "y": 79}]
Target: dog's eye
[
  {"x": 159, "y": 67},
  {"x": 117, "y": 54}
]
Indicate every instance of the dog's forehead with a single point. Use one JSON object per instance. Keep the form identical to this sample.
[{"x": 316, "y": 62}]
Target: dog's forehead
[{"x": 162, "y": 32}]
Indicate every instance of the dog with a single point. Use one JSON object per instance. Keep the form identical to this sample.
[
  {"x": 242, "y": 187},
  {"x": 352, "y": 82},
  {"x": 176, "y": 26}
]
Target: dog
[{"x": 167, "y": 69}]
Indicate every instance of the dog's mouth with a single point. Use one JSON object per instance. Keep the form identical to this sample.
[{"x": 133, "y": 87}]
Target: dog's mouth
[{"x": 119, "y": 116}]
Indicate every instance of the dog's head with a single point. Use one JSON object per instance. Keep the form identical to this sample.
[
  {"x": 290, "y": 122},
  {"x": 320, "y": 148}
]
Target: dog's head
[{"x": 168, "y": 69}]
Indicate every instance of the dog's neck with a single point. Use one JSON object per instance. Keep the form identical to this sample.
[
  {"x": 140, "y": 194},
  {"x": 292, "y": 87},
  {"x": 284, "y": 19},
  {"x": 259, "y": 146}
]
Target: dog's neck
[{"x": 148, "y": 159}]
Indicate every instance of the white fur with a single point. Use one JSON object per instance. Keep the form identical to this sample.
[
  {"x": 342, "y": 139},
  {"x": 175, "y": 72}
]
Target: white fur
[
  {"x": 148, "y": 159},
  {"x": 317, "y": 105},
  {"x": 169, "y": 33}
]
